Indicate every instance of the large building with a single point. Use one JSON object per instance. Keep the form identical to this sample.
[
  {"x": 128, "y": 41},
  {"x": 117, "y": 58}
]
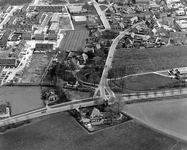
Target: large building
[
  {"x": 6, "y": 62},
  {"x": 54, "y": 28},
  {"x": 55, "y": 18},
  {"x": 181, "y": 25},
  {"x": 27, "y": 36},
  {"x": 50, "y": 8},
  {"x": 43, "y": 47},
  {"x": 51, "y": 37}
]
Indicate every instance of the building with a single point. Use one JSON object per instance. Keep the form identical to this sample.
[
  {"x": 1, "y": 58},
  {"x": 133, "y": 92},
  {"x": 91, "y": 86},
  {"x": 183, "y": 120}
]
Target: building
[
  {"x": 176, "y": 35},
  {"x": 4, "y": 38},
  {"x": 96, "y": 117},
  {"x": 75, "y": 9},
  {"x": 42, "y": 48},
  {"x": 51, "y": 37},
  {"x": 181, "y": 25},
  {"x": 39, "y": 16},
  {"x": 18, "y": 27},
  {"x": 55, "y": 18},
  {"x": 12, "y": 20},
  {"x": 39, "y": 37},
  {"x": 168, "y": 21},
  {"x": 6, "y": 8},
  {"x": 50, "y": 8},
  {"x": 8, "y": 62},
  {"x": 79, "y": 18},
  {"x": 25, "y": 8},
  {"x": 145, "y": 2},
  {"x": 4, "y": 110},
  {"x": 19, "y": 13},
  {"x": 54, "y": 28},
  {"x": 26, "y": 36}
]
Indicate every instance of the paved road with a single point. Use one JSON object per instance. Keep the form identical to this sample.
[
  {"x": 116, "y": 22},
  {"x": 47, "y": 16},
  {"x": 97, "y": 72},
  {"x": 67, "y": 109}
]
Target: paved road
[
  {"x": 101, "y": 15},
  {"x": 103, "y": 85},
  {"x": 169, "y": 117}
]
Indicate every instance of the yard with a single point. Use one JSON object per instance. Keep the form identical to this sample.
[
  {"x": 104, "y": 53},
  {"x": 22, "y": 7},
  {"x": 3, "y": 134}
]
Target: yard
[
  {"x": 132, "y": 61},
  {"x": 22, "y": 99},
  {"x": 65, "y": 23},
  {"x": 142, "y": 83},
  {"x": 36, "y": 68}
]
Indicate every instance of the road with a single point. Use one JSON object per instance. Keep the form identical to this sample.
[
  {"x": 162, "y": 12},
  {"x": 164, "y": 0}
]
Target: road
[
  {"x": 87, "y": 102},
  {"x": 101, "y": 15},
  {"x": 103, "y": 85},
  {"x": 169, "y": 117}
]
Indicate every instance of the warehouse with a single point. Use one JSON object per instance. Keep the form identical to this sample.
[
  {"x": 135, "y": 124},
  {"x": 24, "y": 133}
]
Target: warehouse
[
  {"x": 54, "y": 28},
  {"x": 27, "y": 36},
  {"x": 55, "y": 18},
  {"x": 52, "y": 37},
  {"x": 42, "y": 48},
  {"x": 7, "y": 62},
  {"x": 38, "y": 37}
]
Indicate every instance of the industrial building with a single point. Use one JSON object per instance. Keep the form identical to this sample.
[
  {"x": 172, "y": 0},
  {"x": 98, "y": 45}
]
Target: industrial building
[
  {"x": 6, "y": 62},
  {"x": 38, "y": 37},
  {"x": 54, "y": 28},
  {"x": 41, "y": 47},
  {"x": 26, "y": 36},
  {"x": 181, "y": 25},
  {"x": 52, "y": 37},
  {"x": 55, "y": 18},
  {"x": 50, "y": 8}
]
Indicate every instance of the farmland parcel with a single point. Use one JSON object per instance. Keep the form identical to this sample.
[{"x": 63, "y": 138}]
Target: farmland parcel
[{"x": 132, "y": 61}]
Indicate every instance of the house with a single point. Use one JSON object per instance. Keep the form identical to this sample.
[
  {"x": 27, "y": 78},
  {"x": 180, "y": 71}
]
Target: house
[
  {"x": 6, "y": 62},
  {"x": 96, "y": 117},
  {"x": 72, "y": 81},
  {"x": 4, "y": 110},
  {"x": 145, "y": 2}
]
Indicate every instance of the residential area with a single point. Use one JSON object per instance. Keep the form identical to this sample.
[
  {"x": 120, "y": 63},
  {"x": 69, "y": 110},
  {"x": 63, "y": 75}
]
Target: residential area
[{"x": 105, "y": 63}]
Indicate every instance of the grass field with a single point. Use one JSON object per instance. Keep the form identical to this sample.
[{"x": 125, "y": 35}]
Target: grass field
[
  {"x": 131, "y": 61},
  {"x": 65, "y": 23},
  {"x": 22, "y": 99},
  {"x": 103, "y": 7},
  {"x": 36, "y": 68},
  {"x": 141, "y": 82},
  {"x": 63, "y": 132},
  {"x": 16, "y": 2}
]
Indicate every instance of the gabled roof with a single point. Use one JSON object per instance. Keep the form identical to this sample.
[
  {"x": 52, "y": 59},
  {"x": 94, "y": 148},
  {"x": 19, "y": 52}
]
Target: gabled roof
[{"x": 5, "y": 61}]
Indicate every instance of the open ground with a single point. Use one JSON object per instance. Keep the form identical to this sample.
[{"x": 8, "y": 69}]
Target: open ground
[
  {"x": 22, "y": 99},
  {"x": 63, "y": 132},
  {"x": 132, "y": 61}
]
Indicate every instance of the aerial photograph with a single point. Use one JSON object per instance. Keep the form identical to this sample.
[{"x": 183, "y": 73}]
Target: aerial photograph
[{"x": 93, "y": 74}]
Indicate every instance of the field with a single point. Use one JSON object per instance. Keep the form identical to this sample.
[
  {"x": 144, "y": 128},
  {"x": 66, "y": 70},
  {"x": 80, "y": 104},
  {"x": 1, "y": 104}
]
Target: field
[
  {"x": 103, "y": 7},
  {"x": 74, "y": 39},
  {"x": 36, "y": 68},
  {"x": 65, "y": 23},
  {"x": 141, "y": 82},
  {"x": 22, "y": 99},
  {"x": 4, "y": 53},
  {"x": 132, "y": 61},
  {"x": 14, "y": 2},
  {"x": 63, "y": 132}
]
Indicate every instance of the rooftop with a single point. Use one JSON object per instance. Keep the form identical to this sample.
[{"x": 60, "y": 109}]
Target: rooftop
[{"x": 182, "y": 23}]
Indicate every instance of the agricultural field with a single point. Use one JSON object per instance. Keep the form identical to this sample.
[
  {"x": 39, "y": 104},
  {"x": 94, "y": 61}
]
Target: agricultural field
[
  {"x": 65, "y": 23},
  {"x": 22, "y": 99},
  {"x": 74, "y": 39},
  {"x": 36, "y": 68},
  {"x": 14, "y": 2},
  {"x": 133, "y": 61},
  {"x": 142, "y": 83},
  {"x": 62, "y": 127}
]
